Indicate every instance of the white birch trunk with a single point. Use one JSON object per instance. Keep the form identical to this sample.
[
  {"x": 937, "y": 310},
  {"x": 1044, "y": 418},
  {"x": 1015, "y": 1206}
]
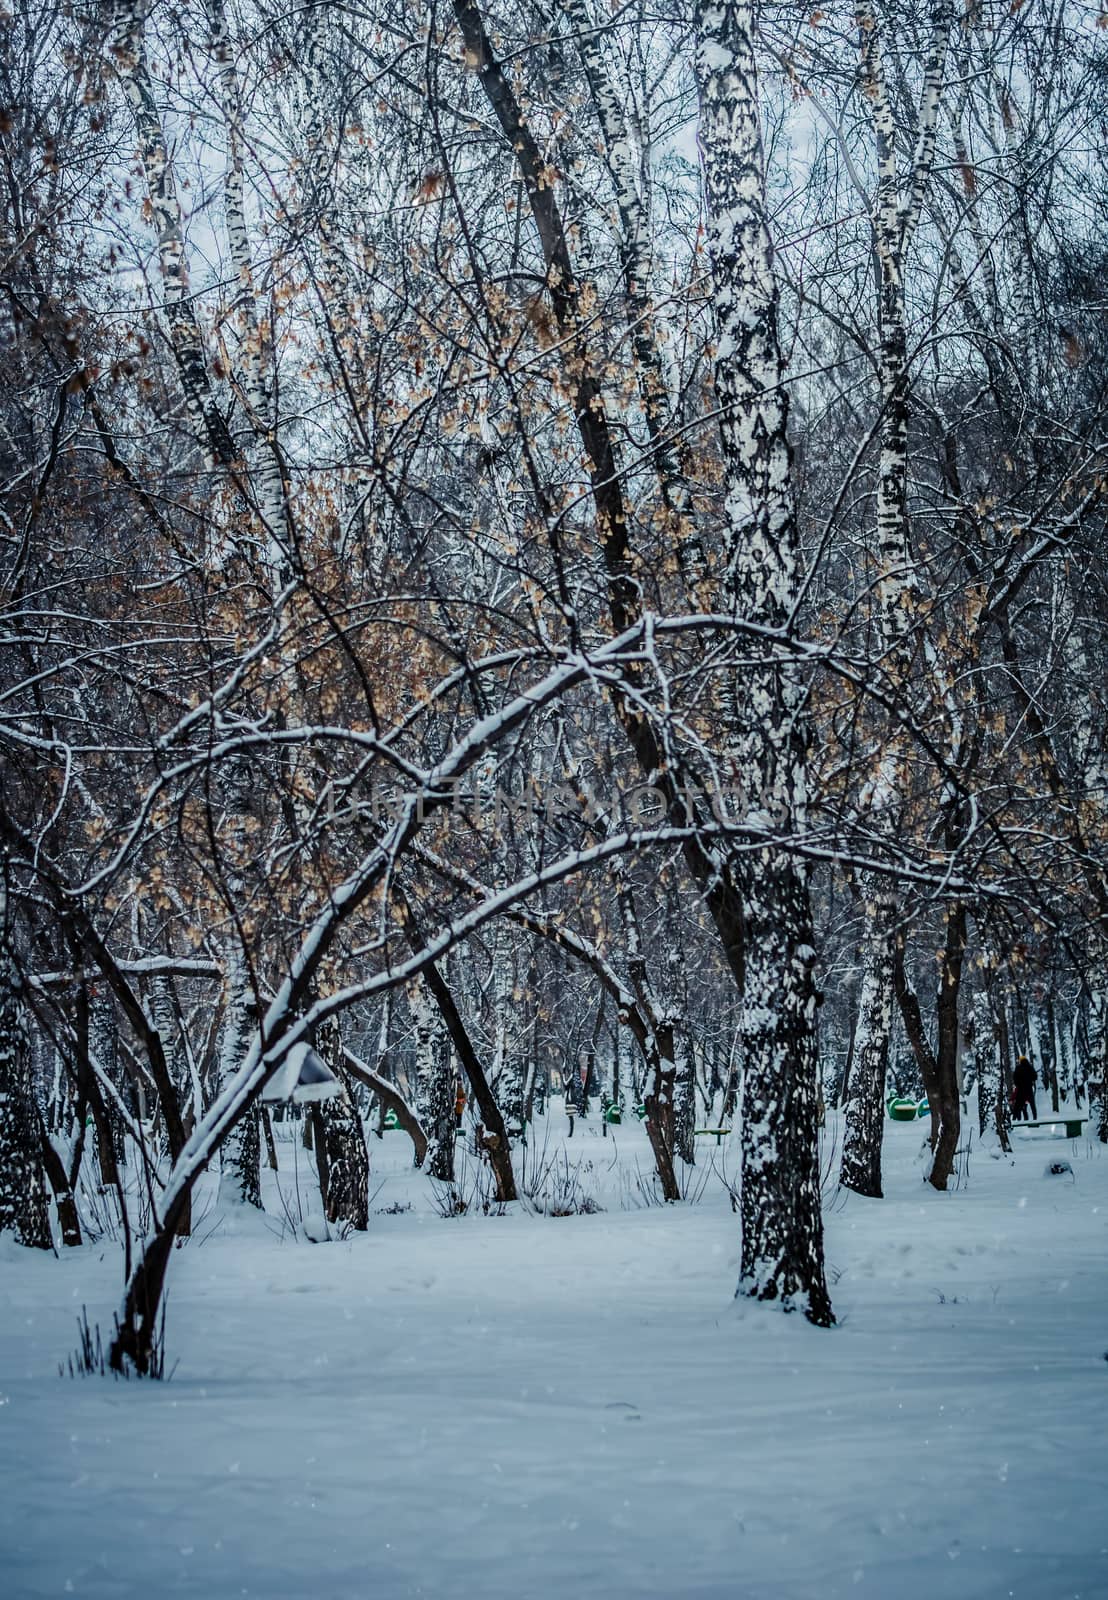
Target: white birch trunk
[
  {"x": 508, "y": 1068},
  {"x": 625, "y": 162},
  {"x": 986, "y": 1060},
  {"x": 435, "y": 1085},
  {"x": 894, "y": 218},
  {"x": 1098, "y": 1061},
  {"x": 256, "y": 342},
  {"x": 240, "y": 1176},
  {"x": 684, "y": 1096},
  {"x": 346, "y": 1158},
  {"x": 103, "y": 1043},
  {"x": 865, "y": 1104},
  {"x": 23, "y": 1201},
  {"x": 128, "y": 49},
  {"x": 782, "y": 1238}
]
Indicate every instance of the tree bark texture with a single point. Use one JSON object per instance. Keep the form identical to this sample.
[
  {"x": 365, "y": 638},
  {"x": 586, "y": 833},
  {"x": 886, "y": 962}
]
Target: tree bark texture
[
  {"x": 986, "y": 1060},
  {"x": 946, "y": 1056},
  {"x": 782, "y": 1223},
  {"x": 346, "y": 1201},
  {"x": 895, "y": 214},
  {"x": 23, "y": 1206},
  {"x": 240, "y": 1170},
  {"x": 435, "y": 1079},
  {"x": 865, "y": 1107}
]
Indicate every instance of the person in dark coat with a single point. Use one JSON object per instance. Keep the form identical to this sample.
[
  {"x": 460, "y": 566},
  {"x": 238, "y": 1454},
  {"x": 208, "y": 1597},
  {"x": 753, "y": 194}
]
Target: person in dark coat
[
  {"x": 570, "y": 1098},
  {"x": 1023, "y": 1091}
]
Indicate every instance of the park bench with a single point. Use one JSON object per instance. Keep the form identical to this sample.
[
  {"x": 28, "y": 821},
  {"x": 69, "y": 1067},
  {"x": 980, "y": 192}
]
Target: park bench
[
  {"x": 719, "y": 1133},
  {"x": 1073, "y": 1125}
]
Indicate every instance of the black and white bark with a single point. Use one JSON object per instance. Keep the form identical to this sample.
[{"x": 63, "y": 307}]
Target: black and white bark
[
  {"x": 684, "y": 1098},
  {"x": 240, "y": 1174},
  {"x": 1090, "y": 755},
  {"x": 345, "y": 1159},
  {"x": 1003, "y": 1108},
  {"x": 103, "y": 1043},
  {"x": 947, "y": 1088},
  {"x": 896, "y": 213},
  {"x": 987, "y": 1065},
  {"x": 860, "y": 1169},
  {"x": 496, "y": 1141},
  {"x": 129, "y": 56},
  {"x": 255, "y": 372},
  {"x": 711, "y": 870},
  {"x": 657, "y": 1044},
  {"x": 509, "y": 1066},
  {"x": 435, "y": 1081},
  {"x": 782, "y": 1223},
  {"x": 1098, "y": 1059},
  {"x": 625, "y": 160},
  {"x": 23, "y": 1203}
]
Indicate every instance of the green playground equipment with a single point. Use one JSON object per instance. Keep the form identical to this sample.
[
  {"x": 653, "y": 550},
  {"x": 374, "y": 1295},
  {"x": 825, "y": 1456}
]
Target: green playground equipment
[
  {"x": 901, "y": 1110},
  {"x": 613, "y": 1114},
  {"x": 391, "y": 1122},
  {"x": 924, "y": 1108}
]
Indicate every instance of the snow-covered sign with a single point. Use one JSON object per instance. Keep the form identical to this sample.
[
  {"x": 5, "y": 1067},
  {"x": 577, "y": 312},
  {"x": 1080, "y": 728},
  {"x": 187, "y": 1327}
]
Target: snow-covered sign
[{"x": 303, "y": 1075}]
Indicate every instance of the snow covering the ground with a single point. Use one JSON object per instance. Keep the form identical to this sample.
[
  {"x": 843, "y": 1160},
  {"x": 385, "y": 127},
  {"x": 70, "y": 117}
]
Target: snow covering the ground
[{"x": 530, "y": 1407}]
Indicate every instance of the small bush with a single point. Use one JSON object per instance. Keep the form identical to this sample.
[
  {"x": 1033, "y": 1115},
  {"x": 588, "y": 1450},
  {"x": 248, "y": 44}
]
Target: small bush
[
  {"x": 90, "y": 1359},
  {"x": 555, "y": 1189}
]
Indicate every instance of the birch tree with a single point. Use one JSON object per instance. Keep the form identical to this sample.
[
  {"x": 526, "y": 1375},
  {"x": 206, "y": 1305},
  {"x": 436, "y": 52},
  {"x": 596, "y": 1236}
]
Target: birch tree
[
  {"x": 782, "y": 1224},
  {"x": 896, "y": 212},
  {"x": 22, "y": 1189}
]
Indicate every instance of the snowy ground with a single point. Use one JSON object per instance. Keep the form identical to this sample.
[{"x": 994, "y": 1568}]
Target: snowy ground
[{"x": 533, "y": 1407}]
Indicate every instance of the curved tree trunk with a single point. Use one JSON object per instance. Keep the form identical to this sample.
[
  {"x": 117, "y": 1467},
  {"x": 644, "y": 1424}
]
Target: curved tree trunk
[
  {"x": 496, "y": 1142},
  {"x": 54, "y": 1167},
  {"x": 390, "y": 1099}
]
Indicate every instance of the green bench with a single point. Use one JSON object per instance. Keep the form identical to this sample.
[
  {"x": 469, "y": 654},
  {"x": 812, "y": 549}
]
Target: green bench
[
  {"x": 718, "y": 1132},
  {"x": 1073, "y": 1125}
]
